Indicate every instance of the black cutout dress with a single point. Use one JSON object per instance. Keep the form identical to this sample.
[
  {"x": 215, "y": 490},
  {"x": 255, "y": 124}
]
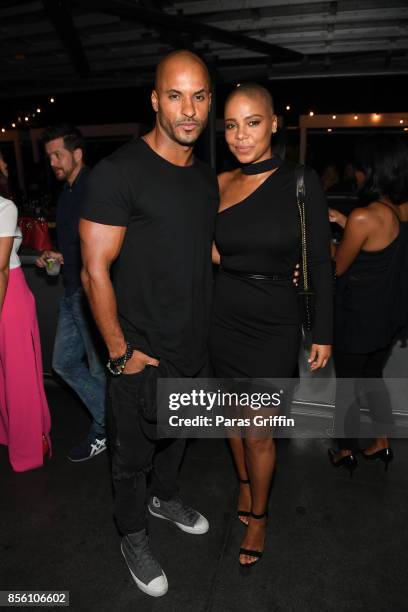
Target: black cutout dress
[{"x": 256, "y": 328}]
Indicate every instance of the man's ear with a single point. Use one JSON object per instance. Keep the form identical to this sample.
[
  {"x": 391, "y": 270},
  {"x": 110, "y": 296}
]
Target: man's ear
[
  {"x": 209, "y": 101},
  {"x": 274, "y": 124},
  {"x": 155, "y": 100},
  {"x": 78, "y": 155}
]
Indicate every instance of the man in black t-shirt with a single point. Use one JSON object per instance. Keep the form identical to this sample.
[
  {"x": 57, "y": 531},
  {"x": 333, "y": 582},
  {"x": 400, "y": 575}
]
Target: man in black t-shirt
[{"x": 151, "y": 209}]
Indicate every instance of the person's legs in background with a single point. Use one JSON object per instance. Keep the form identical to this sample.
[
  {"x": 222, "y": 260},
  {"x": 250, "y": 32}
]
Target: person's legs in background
[
  {"x": 70, "y": 360},
  {"x": 349, "y": 369},
  {"x": 379, "y": 403},
  {"x": 94, "y": 351},
  {"x": 24, "y": 414}
]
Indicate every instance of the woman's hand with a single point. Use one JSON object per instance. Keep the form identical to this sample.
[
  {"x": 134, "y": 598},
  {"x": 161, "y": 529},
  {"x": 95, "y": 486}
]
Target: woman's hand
[
  {"x": 296, "y": 274},
  {"x": 337, "y": 217},
  {"x": 215, "y": 255},
  {"x": 319, "y": 356}
]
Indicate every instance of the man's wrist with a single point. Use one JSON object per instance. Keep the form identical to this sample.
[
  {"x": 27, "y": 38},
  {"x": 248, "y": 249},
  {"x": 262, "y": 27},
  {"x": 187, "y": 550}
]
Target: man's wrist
[
  {"x": 118, "y": 350},
  {"x": 116, "y": 365}
]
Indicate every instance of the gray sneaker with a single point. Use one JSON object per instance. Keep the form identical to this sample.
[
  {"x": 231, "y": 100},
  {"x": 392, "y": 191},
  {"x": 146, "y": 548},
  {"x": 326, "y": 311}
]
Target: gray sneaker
[
  {"x": 186, "y": 518},
  {"x": 143, "y": 566}
]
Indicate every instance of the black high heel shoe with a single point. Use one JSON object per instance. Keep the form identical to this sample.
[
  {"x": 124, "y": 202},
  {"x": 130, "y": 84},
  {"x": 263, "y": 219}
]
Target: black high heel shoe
[
  {"x": 257, "y": 554},
  {"x": 243, "y": 513},
  {"x": 386, "y": 455},
  {"x": 348, "y": 461}
]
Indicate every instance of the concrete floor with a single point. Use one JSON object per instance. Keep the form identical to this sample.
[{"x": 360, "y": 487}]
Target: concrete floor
[{"x": 334, "y": 544}]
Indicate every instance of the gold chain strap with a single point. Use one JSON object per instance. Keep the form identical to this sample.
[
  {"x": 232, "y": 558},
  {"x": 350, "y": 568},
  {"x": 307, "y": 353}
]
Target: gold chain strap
[{"x": 300, "y": 197}]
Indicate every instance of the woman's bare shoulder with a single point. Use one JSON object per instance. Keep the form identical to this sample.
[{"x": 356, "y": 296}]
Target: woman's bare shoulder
[
  {"x": 369, "y": 219},
  {"x": 361, "y": 220},
  {"x": 363, "y": 214}
]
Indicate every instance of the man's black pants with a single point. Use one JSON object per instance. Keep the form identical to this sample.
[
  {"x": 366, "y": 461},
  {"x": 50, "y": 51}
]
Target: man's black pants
[{"x": 135, "y": 452}]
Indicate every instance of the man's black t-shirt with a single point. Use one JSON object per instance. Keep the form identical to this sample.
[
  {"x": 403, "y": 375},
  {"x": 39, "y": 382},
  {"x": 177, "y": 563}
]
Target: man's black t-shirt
[{"x": 163, "y": 275}]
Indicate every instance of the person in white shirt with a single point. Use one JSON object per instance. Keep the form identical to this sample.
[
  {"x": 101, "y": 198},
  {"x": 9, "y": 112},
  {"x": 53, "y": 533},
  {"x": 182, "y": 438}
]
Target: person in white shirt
[{"x": 24, "y": 415}]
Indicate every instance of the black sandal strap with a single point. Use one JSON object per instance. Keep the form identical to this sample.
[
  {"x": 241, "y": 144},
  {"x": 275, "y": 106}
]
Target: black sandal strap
[
  {"x": 243, "y": 481},
  {"x": 243, "y": 513},
  {"x": 251, "y": 553},
  {"x": 258, "y": 516}
]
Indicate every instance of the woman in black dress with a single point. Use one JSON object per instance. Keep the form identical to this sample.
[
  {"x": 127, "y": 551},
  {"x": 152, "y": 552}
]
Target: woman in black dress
[
  {"x": 256, "y": 328},
  {"x": 370, "y": 303}
]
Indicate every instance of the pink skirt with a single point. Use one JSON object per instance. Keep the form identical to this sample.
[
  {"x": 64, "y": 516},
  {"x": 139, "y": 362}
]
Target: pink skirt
[{"x": 24, "y": 413}]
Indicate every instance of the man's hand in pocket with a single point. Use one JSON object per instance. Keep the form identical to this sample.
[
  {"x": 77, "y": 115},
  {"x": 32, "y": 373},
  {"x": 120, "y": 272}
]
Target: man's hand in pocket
[{"x": 138, "y": 362}]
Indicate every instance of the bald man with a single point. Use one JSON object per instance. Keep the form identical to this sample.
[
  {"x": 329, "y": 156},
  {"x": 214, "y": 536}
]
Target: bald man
[{"x": 151, "y": 209}]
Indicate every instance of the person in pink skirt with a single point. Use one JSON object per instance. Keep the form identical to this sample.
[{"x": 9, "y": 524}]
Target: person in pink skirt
[{"x": 24, "y": 415}]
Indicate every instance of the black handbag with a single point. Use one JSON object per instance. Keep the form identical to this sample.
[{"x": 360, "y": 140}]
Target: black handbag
[{"x": 307, "y": 295}]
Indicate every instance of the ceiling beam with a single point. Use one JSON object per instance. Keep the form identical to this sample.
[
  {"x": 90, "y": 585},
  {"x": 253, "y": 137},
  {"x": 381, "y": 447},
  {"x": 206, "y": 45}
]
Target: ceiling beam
[
  {"x": 61, "y": 18},
  {"x": 11, "y": 89},
  {"x": 167, "y": 36},
  {"x": 137, "y": 79},
  {"x": 228, "y": 74},
  {"x": 177, "y": 41},
  {"x": 178, "y": 24}
]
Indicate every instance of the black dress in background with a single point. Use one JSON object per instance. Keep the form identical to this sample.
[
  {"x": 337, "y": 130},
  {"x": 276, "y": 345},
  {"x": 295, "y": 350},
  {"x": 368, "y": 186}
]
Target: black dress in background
[
  {"x": 256, "y": 330},
  {"x": 370, "y": 307},
  {"x": 370, "y": 299}
]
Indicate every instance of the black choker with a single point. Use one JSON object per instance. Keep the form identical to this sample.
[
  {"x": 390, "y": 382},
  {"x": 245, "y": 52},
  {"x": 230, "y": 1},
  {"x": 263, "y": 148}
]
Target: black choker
[{"x": 263, "y": 166}]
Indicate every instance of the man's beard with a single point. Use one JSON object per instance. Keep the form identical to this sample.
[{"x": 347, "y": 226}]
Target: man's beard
[
  {"x": 187, "y": 139},
  {"x": 64, "y": 175},
  {"x": 60, "y": 176}
]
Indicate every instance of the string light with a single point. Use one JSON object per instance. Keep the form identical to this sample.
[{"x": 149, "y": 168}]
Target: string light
[
  {"x": 25, "y": 118},
  {"x": 375, "y": 116}
]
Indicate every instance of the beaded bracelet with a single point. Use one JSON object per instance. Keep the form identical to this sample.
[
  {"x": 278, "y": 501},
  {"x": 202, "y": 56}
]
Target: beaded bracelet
[{"x": 116, "y": 366}]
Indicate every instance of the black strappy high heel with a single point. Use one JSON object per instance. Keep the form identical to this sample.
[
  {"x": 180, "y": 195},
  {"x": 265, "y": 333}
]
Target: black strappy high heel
[
  {"x": 348, "y": 461},
  {"x": 243, "y": 513},
  {"x": 257, "y": 554},
  {"x": 385, "y": 454}
]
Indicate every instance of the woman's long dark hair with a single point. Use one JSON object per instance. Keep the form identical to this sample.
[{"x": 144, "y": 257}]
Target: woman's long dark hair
[
  {"x": 4, "y": 184},
  {"x": 383, "y": 158}
]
